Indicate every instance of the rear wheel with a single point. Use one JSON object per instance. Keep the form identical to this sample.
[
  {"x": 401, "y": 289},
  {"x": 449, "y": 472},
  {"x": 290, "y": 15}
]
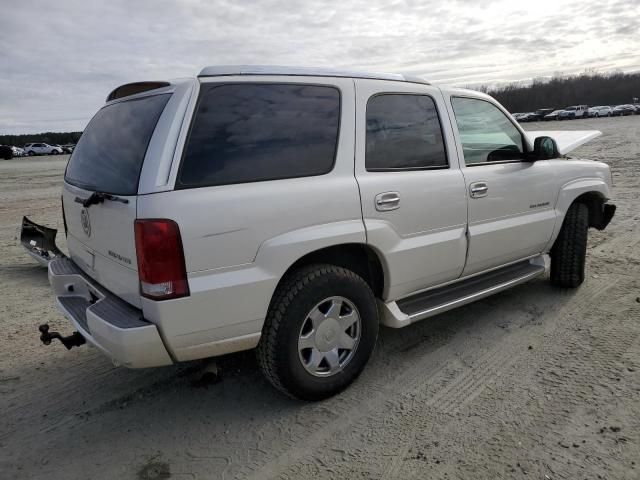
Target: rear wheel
[
  {"x": 570, "y": 249},
  {"x": 319, "y": 333}
]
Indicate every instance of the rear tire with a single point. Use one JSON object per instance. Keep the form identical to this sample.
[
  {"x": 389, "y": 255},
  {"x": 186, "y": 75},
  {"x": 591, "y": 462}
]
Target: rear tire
[
  {"x": 297, "y": 314},
  {"x": 570, "y": 248}
]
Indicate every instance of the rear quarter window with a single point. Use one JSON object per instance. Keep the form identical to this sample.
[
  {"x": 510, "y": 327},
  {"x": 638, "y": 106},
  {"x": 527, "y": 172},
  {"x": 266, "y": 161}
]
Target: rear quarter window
[
  {"x": 255, "y": 132},
  {"x": 109, "y": 155}
]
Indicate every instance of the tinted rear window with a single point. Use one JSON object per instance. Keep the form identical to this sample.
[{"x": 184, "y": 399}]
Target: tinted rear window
[
  {"x": 109, "y": 155},
  {"x": 254, "y": 132},
  {"x": 403, "y": 132}
]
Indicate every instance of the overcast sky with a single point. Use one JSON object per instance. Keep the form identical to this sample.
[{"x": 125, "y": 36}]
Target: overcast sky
[{"x": 59, "y": 59}]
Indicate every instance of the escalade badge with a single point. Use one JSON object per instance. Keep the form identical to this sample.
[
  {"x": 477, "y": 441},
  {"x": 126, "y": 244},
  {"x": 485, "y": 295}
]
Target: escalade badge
[{"x": 86, "y": 223}]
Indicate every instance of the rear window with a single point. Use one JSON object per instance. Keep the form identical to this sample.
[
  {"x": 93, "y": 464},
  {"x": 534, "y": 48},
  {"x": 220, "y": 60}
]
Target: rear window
[
  {"x": 109, "y": 155},
  {"x": 254, "y": 132}
]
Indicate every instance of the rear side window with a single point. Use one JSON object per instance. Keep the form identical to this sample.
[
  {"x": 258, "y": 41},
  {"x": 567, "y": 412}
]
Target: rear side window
[
  {"x": 108, "y": 157},
  {"x": 403, "y": 132},
  {"x": 255, "y": 132}
]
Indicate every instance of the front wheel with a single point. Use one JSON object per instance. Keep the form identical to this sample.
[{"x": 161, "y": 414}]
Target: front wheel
[
  {"x": 54, "y": 152},
  {"x": 569, "y": 251},
  {"x": 320, "y": 331}
]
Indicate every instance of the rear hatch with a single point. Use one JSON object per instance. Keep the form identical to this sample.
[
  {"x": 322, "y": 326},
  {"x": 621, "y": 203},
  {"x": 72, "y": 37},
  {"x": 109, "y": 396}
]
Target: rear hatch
[{"x": 100, "y": 192}]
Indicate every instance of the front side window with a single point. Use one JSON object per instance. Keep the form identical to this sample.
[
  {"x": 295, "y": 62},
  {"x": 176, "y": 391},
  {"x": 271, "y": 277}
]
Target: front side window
[
  {"x": 255, "y": 132},
  {"x": 486, "y": 133},
  {"x": 403, "y": 133}
]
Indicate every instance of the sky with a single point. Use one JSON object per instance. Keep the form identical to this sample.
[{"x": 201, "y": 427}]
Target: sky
[{"x": 59, "y": 59}]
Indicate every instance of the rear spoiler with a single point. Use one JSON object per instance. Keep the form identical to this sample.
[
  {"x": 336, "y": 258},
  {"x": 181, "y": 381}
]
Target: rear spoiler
[
  {"x": 39, "y": 241},
  {"x": 133, "y": 88}
]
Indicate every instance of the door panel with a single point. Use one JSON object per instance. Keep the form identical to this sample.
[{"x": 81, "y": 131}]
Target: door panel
[
  {"x": 516, "y": 217},
  {"x": 510, "y": 201},
  {"x": 417, "y": 218}
]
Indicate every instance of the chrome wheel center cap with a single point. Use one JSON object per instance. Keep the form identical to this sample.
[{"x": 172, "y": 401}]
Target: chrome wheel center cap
[{"x": 327, "y": 335}]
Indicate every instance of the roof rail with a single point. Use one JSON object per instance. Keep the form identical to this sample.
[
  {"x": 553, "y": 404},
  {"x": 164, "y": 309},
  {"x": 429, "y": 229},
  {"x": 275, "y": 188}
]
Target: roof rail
[{"x": 226, "y": 70}]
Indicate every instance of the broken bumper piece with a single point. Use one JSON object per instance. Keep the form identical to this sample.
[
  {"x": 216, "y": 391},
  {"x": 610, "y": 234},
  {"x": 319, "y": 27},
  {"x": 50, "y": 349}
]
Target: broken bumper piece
[{"x": 39, "y": 241}]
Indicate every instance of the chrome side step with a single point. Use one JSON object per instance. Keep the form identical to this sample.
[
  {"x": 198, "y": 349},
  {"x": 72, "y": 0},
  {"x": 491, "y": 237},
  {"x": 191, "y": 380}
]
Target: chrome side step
[{"x": 432, "y": 302}]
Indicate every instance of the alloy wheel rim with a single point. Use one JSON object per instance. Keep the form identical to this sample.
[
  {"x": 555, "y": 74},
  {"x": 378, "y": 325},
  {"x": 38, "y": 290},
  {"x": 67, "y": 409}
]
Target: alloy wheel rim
[{"x": 329, "y": 336}]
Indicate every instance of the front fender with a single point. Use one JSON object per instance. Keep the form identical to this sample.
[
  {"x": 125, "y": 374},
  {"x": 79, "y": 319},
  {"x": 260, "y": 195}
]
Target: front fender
[{"x": 569, "y": 192}]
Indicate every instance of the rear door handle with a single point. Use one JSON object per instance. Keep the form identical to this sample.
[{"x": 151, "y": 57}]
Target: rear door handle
[
  {"x": 478, "y": 189},
  {"x": 387, "y": 201}
]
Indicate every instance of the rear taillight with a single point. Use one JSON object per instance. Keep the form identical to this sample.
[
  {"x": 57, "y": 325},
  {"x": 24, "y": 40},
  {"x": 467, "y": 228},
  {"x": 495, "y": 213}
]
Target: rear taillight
[{"x": 161, "y": 267}]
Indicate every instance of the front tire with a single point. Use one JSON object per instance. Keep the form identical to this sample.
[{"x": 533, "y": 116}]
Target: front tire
[
  {"x": 320, "y": 331},
  {"x": 569, "y": 251}
]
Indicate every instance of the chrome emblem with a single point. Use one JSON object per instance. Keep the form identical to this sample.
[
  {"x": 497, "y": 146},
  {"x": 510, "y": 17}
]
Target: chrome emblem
[{"x": 85, "y": 221}]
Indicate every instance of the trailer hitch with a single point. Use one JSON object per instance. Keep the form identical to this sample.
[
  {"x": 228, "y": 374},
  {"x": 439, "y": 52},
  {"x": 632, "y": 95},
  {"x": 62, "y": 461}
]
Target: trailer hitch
[{"x": 74, "y": 340}]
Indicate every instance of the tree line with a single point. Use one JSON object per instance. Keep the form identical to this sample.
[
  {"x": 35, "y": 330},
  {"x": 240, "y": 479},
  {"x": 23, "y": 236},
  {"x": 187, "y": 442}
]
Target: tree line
[
  {"x": 56, "y": 138},
  {"x": 561, "y": 91}
]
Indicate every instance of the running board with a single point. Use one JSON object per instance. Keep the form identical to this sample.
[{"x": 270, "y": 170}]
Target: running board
[{"x": 432, "y": 302}]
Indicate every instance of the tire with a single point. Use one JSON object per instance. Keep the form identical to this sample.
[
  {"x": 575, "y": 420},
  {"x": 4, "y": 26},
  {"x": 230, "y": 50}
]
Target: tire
[
  {"x": 570, "y": 248},
  {"x": 54, "y": 152},
  {"x": 31, "y": 153},
  {"x": 287, "y": 364}
]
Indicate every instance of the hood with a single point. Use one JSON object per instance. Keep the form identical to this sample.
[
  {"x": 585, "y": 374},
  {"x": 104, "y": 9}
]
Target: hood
[{"x": 567, "y": 140}]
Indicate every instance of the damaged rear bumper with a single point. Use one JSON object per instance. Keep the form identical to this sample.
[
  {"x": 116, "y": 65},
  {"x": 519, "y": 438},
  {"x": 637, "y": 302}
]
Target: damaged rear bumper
[
  {"x": 39, "y": 241},
  {"x": 104, "y": 320}
]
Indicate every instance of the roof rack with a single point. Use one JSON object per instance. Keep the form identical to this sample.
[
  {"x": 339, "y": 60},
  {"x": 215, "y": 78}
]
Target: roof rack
[{"x": 226, "y": 70}]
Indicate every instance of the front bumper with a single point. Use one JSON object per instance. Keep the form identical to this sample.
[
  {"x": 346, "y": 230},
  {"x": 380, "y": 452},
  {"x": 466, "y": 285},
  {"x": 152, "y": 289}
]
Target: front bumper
[{"x": 106, "y": 321}]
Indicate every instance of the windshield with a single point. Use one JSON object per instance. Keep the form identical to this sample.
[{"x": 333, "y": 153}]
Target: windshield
[{"x": 109, "y": 155}]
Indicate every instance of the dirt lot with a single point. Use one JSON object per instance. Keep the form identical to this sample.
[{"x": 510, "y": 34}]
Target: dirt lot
[{"x": 531, "y": 383}]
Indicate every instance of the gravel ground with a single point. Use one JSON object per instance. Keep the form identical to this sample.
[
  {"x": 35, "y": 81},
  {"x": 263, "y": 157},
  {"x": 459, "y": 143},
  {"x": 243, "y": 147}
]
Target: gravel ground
[{"x": 534, "y": 382}]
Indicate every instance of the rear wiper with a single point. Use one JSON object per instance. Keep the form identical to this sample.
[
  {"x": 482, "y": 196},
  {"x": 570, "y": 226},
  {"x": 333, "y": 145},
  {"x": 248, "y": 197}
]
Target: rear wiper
[{"x": 99, "y": 197}]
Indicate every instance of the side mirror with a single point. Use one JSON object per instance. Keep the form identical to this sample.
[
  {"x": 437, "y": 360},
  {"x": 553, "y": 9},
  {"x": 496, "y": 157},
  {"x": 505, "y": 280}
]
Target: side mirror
[{"x": 544, "y": 148}]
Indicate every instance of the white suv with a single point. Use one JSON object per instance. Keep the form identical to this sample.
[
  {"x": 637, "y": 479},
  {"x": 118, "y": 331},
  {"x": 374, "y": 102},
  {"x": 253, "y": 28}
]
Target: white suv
[
  {"x": 42, "y": 149},
  {"x": 295, "y": 210}
]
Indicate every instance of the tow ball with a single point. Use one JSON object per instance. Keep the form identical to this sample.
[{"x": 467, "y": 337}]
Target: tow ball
[{"x": 74, "y": 340}]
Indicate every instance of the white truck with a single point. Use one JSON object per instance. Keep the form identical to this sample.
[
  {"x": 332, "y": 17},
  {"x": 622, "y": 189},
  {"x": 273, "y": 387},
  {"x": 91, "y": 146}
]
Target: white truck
[{"x": 295, "y": 210}]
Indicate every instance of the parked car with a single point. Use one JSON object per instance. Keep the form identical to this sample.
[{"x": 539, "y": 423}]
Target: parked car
[
  {"x": 68, "y": 148},
  {"x": 623, "y": 110},
  {"x": 539, "y": 114},
  {"x": 17, "y": 151},
  {"x": 576, "y": 111},
  {"x": 42, "y": 149},
  {"x": 636, "y": 106},
  {"x": 294, "y": 210},
  {"x": 553, "y": 115},
  {"x": 6, "y": 152},
  {"x": 601, "y": 111}
]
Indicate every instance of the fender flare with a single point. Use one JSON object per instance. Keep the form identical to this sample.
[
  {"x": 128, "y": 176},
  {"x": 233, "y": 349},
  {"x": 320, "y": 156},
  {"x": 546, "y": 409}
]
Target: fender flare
[{"x": 568, "y": 194}]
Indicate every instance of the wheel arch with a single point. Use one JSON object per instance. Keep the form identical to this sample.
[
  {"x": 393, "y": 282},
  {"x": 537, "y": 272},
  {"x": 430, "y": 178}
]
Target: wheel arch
[
  {"x": 360, "y": 258},
  {"x": 591, "y": 192}
]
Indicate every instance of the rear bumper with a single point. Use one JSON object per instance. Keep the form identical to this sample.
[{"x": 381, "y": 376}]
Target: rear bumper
[
  {"x": 39, "y": 241},
  {"x": 106, "y": 321}
]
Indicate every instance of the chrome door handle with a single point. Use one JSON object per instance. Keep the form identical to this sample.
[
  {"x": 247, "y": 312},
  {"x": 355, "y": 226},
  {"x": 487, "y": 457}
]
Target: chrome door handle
[
  {"x": 478, "y": 189},
  {"x": 387, "y": 201}
]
